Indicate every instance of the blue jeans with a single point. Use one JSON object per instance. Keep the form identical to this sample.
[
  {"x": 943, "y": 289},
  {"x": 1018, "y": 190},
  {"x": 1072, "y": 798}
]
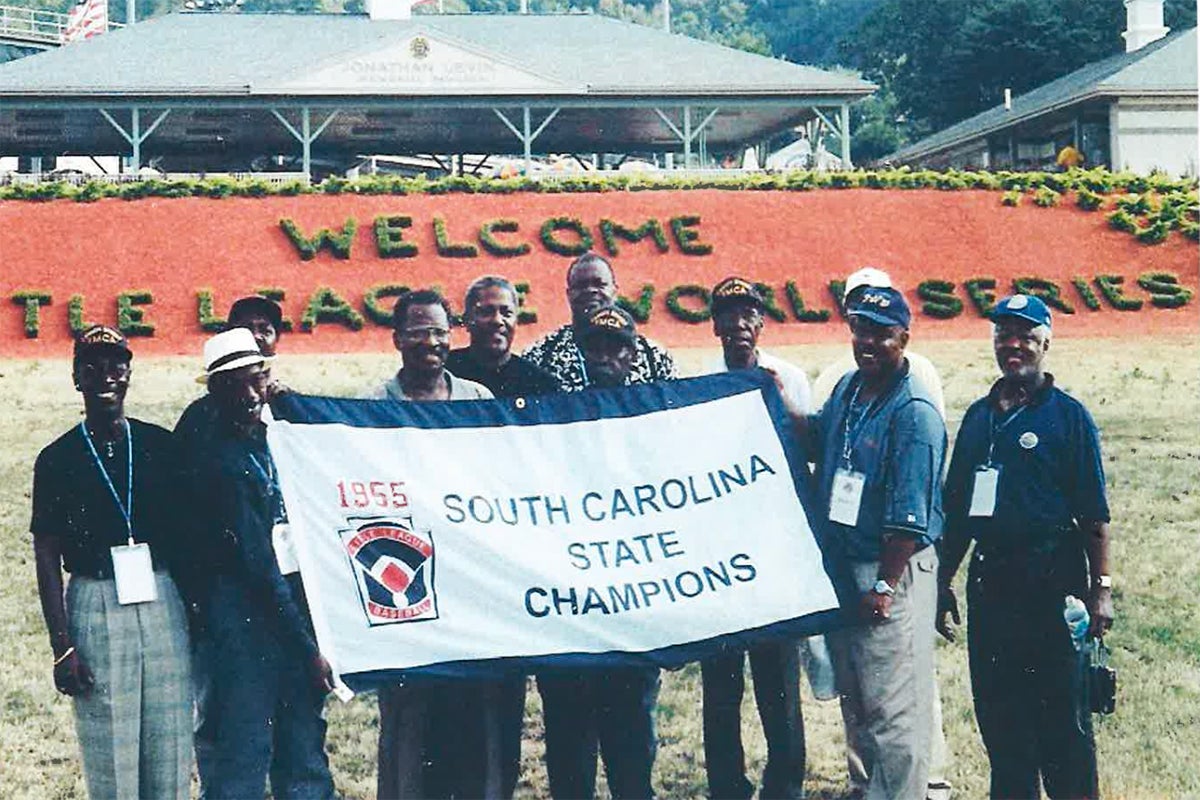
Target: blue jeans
[
  {"x": 269, "y": 718},
  {"x": 607, "y": 710}
]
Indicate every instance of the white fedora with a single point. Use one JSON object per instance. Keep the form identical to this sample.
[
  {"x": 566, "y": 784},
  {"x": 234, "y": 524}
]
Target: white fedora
[{"x": 228, "y": 350}]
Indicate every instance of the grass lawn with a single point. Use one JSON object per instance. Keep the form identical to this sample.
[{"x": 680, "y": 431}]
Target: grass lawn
[{"x": 1145, "y": 395}]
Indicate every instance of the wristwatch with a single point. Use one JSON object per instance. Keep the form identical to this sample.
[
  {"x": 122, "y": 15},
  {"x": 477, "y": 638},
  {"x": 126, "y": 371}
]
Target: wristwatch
[
  {"x": 1104, "y": 581},
  {"x": 883, "y": 587}
]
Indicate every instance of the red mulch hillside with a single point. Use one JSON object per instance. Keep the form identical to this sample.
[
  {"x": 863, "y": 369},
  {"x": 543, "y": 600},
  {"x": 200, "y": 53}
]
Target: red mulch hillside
[{"x": 173, "y": 247}]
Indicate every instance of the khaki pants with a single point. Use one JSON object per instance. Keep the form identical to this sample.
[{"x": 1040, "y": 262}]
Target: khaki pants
[{"x": 886, "y": 682}]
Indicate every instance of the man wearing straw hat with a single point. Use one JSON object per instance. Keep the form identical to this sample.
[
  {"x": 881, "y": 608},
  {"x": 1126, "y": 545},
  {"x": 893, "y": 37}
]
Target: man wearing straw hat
[{"x": 269, "y": 680}]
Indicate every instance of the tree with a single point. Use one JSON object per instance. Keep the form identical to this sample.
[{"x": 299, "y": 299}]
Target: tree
[{"x": 945, "y": 60}]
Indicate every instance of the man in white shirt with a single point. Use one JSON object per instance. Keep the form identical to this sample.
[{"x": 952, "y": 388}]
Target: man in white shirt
[
  {"x": 922, "y": 370},
  {"x": 737, "y": 309}
]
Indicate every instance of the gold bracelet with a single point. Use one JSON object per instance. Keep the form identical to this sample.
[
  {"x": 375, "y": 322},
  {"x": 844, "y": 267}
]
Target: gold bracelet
[{"x": 64, "y": 656}]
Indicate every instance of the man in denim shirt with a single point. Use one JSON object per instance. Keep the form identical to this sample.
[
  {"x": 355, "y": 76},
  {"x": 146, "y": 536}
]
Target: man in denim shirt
[{"x": 879, "y": 445}]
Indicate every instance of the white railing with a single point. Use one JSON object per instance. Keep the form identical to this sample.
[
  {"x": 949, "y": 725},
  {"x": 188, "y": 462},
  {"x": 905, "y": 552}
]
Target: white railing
[
  {"x": 34, "y": 26},
  {"x": 78, "y": 179}
]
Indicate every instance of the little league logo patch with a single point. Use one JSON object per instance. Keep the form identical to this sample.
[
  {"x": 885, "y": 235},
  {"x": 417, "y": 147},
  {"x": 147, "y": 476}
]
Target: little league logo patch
[{"x": 393, "y": 565}]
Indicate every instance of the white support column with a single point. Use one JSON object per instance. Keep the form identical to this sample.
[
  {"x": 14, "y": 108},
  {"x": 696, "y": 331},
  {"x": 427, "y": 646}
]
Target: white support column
[
  {"x": 687, "y": 137},
  {"x": 135, "y": 135},
  {"x": 689, "y": 132},
  {"x": 526, "y": 133},
  {"x": 306, "y": 135},
  {"x": 527, "y": 141},
  {"x": 844, "y": 133}
]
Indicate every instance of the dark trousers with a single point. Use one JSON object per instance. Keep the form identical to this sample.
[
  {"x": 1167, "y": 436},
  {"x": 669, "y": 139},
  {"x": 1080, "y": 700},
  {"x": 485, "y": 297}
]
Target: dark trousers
[
  {"x": 1029, "y": 682},
  {"x": 204, "y": 731},
  {"x": 269, "y": 719},
  {"x": 608, "y": 710},
  {"x": 474, "y": 739},
  {"x": 776, "y": 671}
]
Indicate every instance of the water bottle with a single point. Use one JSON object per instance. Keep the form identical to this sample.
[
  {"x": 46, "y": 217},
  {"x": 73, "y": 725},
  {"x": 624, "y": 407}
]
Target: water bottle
[{"x": 1076, "y": 615}]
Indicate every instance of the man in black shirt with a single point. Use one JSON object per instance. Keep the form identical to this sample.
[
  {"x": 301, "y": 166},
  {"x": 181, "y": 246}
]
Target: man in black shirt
[
  {"x": 106, "y": 509},
  {"x": 490, "y": 316}
]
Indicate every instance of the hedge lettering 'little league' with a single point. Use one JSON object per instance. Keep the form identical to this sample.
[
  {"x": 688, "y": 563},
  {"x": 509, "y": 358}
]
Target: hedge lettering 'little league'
[{"x": 688, "y": 302}]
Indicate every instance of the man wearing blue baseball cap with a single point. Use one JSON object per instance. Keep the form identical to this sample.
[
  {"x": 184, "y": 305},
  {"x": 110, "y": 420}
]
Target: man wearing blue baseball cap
[
  {"x": 1026, "y": 484},
  {"x": 879, "y": 445}
]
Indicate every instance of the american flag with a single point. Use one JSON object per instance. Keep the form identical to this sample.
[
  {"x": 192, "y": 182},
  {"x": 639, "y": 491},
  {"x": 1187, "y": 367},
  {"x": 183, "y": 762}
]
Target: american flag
[{"x": 87, "y": 19}]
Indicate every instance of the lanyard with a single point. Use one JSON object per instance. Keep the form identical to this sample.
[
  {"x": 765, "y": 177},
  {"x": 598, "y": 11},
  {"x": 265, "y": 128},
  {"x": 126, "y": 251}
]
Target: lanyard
[
  {"x": 997, "y": 429},
  {"x": 849, "y": 435},
  {"x": 271, "y": 477},
  {"x": 126, "y": 508}
]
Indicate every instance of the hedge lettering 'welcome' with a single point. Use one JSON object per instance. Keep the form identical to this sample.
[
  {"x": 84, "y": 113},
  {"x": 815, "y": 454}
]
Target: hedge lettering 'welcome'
[
  {"x": 686, "y": 302},
  {"x": 563, "y": 236}
]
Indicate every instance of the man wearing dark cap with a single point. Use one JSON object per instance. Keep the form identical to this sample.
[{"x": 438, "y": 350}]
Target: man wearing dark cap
[
  {"x": 107, "y": 510},
  {"x": 879, "y": 446},
  {"x": 737, "y": 309},
  {"x": 609, "y": 710},
  {"x": 592, "y": 284},
  {"x": 1026, "y": 484}
]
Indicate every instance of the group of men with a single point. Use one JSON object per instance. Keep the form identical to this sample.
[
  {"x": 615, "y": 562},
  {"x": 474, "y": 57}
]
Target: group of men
[{"x": 183, "y": 582}]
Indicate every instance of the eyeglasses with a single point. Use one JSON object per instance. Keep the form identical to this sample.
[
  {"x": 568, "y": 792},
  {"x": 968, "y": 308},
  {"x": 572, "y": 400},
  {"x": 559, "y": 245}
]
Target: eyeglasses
[{"x": 421, "y": 334}]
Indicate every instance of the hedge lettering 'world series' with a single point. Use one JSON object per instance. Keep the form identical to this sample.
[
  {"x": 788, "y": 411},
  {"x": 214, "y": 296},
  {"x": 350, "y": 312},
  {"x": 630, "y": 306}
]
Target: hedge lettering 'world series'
[{"x": 685, "y": 302}]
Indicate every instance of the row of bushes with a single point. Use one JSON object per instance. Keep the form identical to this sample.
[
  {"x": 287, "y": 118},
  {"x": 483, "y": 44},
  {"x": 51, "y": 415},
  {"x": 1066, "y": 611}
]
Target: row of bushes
[
  {"x": 1149, "y": 215},
  {"x": 1099, "y": 181}
]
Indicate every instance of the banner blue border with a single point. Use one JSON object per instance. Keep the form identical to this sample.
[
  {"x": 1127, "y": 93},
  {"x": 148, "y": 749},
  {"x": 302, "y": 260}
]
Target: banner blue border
[{"x": 592, "y": 404}]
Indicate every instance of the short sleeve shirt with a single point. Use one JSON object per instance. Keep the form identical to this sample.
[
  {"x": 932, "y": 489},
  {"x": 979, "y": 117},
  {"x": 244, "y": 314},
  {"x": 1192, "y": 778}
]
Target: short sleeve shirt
[
  {"x": 558, "y": 354},
  {"x": 1051, "y": 472},
  {"x": 898, "y": 445},
  {"x": 460, "y": 389},
  {"x": 72, "y": 501}
]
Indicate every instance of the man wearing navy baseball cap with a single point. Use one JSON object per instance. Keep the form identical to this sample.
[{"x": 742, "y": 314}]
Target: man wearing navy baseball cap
[
  {"x": 879, "y": 445},
  {"x": 1026, "y": 485}
]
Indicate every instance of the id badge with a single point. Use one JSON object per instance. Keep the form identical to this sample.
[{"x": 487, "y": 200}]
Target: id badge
[
  {"x": 846, "y": 497},
  {"x": 983, "y": 492},
  {"x": 133, "y": 571},
  {"x": 285, "y": 548}
]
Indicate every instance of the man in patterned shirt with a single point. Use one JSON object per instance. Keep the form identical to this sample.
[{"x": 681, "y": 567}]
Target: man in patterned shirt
[{"x": 591, "y": 284}]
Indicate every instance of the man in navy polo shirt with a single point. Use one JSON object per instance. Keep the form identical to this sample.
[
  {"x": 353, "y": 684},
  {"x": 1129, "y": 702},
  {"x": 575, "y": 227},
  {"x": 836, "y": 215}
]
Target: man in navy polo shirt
[
  {"x": 879, "y": 445},
  {"x": 1026, "y": 483}
]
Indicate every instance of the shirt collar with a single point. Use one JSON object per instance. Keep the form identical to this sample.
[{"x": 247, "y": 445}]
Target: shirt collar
[{"x": 1039, "y": 395}]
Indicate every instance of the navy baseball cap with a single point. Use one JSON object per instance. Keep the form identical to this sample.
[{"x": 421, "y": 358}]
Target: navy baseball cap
[
  {"x": 611, "y": 321},
  {"x": 1023, "y": 306},
  {"x": 883, "y": 305},
  {"x": 735, "y": 290}
]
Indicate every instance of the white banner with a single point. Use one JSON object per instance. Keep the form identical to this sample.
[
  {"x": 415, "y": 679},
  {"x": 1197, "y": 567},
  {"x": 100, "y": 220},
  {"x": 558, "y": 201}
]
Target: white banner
[{"x": 588, "y": 528}]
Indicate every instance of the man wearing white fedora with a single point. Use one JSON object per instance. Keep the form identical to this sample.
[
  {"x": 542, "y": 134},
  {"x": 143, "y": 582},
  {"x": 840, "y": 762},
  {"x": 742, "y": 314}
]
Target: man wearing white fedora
[{"x": 269, "y": 680}]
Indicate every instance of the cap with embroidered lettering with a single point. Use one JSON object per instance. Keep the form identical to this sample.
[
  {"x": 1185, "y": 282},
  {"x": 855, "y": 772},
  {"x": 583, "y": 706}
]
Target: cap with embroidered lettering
[
  {"x": 101, "y": 337},
  {"x": 882, "y": 305},
  {"x": 734, "y": 290},
  {"x": 608, "y": 321}
]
